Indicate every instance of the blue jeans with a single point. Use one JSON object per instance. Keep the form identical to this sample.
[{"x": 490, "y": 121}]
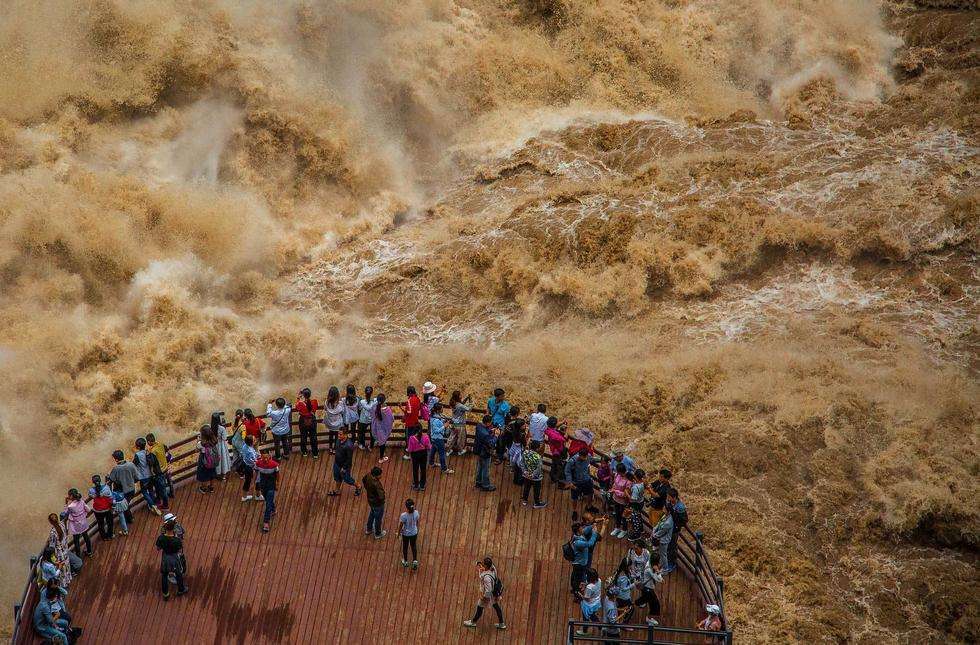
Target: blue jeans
[
  {"x": 438, "y": 448},
  {"x": 270, "y": 504},
  {"x": 375, "y": 515},
  {"x": 342, "y": 475},
  {"x": 160, "y": 486},
  {"x": 483, "y": 472},
  {"x": 147, "y": 493},
  {"x": 55, "y": 635}
]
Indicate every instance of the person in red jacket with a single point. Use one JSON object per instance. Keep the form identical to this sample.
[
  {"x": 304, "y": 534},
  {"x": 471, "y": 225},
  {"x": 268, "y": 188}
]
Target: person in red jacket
[
  {"x": 581, "y": 439},
  {"x": 410, "y": 415},
  {"x": 307, "y": 407}
]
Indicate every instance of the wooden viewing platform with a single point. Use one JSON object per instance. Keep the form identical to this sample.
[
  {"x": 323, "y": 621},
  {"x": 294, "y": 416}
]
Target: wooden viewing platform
[{"x": 316, "y": 577}]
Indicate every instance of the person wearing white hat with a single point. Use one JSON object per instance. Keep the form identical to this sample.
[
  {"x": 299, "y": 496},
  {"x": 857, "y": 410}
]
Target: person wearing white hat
[{"x": 712, "y": 622}]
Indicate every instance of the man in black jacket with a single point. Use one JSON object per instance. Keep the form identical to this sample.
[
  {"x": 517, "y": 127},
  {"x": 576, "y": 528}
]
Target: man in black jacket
[
  {"x": 376, "y": 503},
  {"x": 343, "y": 463},
  {"x": 483, "y": 447}
]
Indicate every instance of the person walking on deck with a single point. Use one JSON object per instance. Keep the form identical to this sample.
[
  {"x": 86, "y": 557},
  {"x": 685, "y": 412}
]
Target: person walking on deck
[
  {"x": 532, "y": 464},
  {"x": 648, "y": 593},
  {"x": 101, "y": 495},
  {"x": 268, "y": 470},
  {"x": 460, "y": 407},
  {"x": 143, "y": 475},
  {"x": 491, "y": 589},
  {"x": 306, "y": 407},
  {"x": 334, "y": 413},
  {"x": 343, "y": 464},
  {"x": 279, "y": 413},
  {"x": 171, "y": 547},
  {"x": 411, "y": 412},
  {"x": 382, "y": 421},
  {"x": 365, "y": 412},
  {"x": 76, "y": 516},
  {"x": 408, "y": 528},
  {"x": 124, "y": 475},
  {"x": 418, "y": 449},
  {"x": 484, "y": 444},
  {"x": 438, "y": 434},
  {"x": 376, "y": 503}
]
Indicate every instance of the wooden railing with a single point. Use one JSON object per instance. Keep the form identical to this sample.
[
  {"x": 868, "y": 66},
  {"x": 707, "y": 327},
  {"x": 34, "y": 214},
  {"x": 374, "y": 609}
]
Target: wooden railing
[
  {"x": 643, "y": 634},
  {"x": 691, "y": 554}
]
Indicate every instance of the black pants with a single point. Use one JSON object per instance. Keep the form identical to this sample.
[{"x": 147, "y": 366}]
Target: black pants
[
  {"x": 418, "y": 468},
  {"x": 496, "y": 608},
  {"x": 557, "y": 472},
  {"x": 248, "y": 472},
  {"x": 578, "y": 576},
  {"x": 283, "y": 444},
  {"x": 410, "y": 540},
  {"x": 411, "y": 431},
  {"x": 618, "y": 510},
  {"x": 381, "y": 449},
  {"x": 77, "y": 539},
  {"x": 364, "y": 434},
  {"x": 528, "y": 486},
  {"x": 103, "y": 520},
  {"x": 518, "y": 475},
  {"x": 504, "y": 443},
  {"x": 307, "y": 432},
  {"x": 648, "y": 598},
  {"x": 165, "y": 582},
  {"x": 332, "y": 439}
]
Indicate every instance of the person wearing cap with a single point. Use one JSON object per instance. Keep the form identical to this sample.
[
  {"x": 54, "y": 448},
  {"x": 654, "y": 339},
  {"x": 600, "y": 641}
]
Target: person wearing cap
[
  {"x": 171, "y": 547},
  {"x": 430, "y": 394},
  {"x": 306, "y": 407},
  {"x": 170, "y": 520},
  {"x": 712, "y": 622}
]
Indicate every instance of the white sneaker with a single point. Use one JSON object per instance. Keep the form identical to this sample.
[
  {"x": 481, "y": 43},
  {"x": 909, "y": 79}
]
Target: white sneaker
[
  {"x": 469, "y": 623},
  {"x": 501, "y": 625},
  {"x": 246, "y": 498},
  {"x": 652, "y": 621},
  {"x": 259, "y": 498}
]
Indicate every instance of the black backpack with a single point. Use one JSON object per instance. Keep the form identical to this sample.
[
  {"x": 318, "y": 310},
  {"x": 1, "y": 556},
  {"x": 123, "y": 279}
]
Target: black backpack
[
  {"x": 498, "y": 586},
  {"x": 680, "y": 519},
  {"x": 568, "y": 551}
]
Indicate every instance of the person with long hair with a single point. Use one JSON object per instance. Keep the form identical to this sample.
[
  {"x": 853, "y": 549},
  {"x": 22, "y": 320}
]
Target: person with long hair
[
  {"x": 365, "y": 408},
  {"x": 58, "y": 541},
  {"x": 459, "y": 408},
  {"x": 647, "y": 583},
  {"x": 76, "y": 515},
  {"x": 307, "y": 406},
  {"x": 101, "y": 495},
  {"x": 419, "y": 446},
  {"x": 334, "y": 413},
  {"x": 408, "y": 528},
  {"x": 254, "y": 426},
  {"x": 382, "y": 420},
  {"x": 351, "y": 410},
  {"x": 219, "y": 432},
  {"x": 207, "y": 460},
  {"x": 491, "y": 590},
  {"x": 411, "y": 416},
  {"x": 620, "y": 588}
]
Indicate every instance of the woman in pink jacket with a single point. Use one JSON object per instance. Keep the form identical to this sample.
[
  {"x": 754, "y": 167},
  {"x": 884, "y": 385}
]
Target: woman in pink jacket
[
  {"x": 419, "y": 446},
  {"x": 76, "y": 514}
]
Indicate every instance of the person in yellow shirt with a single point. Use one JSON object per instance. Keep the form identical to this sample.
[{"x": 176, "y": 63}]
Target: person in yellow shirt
[{"x": 159, "y": 450}]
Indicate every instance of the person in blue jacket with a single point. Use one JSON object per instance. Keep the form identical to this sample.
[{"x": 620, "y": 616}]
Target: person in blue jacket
[
  {"x": 51, "y": 618},
  {"x": 582, "y": 544}
]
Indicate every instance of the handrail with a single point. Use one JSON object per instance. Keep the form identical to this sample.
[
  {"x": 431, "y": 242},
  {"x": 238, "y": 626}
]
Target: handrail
[
  {"x": 710, "y": 587},
  {"x": 649, "y": 633}
]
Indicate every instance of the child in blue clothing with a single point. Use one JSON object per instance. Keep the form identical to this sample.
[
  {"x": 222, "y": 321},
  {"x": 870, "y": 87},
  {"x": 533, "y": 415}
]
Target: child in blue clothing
[
  {"x": 120, "y": 506},
  {"x": 439, "y": 434}
]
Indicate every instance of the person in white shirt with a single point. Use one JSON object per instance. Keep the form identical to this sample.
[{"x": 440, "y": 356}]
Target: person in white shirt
[
  {"x": 538, "y": 423},
  {"x": 591, "y": 594},
  {"x": 365, "y": 409},
  {"x": 334, "y": 413},
  {"x": 278, "y": 412}
]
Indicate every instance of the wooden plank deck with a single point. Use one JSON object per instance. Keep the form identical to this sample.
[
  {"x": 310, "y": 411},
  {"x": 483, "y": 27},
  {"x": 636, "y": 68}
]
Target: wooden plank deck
[{"x": 318, "y": 578}]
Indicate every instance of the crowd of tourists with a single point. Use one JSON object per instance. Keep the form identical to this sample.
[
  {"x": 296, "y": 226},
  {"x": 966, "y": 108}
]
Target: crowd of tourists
[{"x": 611, "y": 495}]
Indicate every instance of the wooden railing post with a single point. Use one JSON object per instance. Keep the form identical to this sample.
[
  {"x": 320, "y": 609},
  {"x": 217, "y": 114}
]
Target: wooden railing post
[{"x": 698, "y": 551}]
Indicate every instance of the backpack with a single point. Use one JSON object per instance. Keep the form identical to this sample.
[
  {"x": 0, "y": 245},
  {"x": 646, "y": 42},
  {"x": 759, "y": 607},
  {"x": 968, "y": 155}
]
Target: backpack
[
  {"x": 498, "y": 586},
  {"x": 568, "y": 551},
  {"x": 154, "y": 464},
  {"x": 209, "y": 456}
]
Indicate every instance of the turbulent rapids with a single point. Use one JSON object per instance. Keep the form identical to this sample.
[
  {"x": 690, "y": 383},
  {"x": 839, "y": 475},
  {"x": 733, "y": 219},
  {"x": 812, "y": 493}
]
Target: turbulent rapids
[{"x": 738, "y": 237}]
